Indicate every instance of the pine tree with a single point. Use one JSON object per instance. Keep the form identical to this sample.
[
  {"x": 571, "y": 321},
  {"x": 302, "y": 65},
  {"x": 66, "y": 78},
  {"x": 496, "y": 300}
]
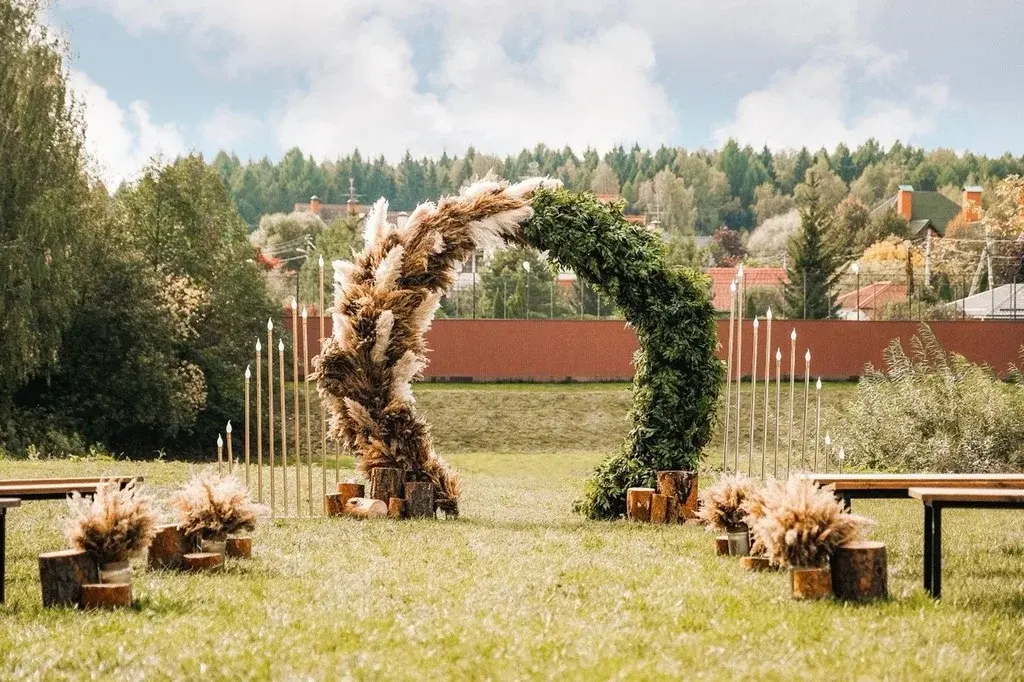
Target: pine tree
[{"x": 815, "y": 260}]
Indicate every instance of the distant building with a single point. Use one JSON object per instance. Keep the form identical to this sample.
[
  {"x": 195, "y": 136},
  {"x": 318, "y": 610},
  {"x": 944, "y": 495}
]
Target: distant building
[
  {"x": 871, "y": 299},
  {"x": 721, "y": 278},
  {"x": 931, "y": 212},
  {"x": 1002, "y": 303}
]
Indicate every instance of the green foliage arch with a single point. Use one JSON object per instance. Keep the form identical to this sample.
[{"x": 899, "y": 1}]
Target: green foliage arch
[{"x": 677, "y": 380}]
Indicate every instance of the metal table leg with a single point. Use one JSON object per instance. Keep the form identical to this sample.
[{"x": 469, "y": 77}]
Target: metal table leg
[
  {"x": 936, "y": 586},
  {"x": 3, "y": 551},
  {"x": 928, "y": 547}
]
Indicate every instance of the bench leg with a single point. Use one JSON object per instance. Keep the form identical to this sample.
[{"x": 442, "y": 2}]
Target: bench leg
[
  {"x": 936, "y": 588},
  {"x": 928, "y": 547},
  {"x": 3, "y": 552}
]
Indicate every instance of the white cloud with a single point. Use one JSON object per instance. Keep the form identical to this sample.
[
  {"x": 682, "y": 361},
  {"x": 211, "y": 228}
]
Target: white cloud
[
  {"x": 121, "y": 141},
  {"x": 596, "y": 91},
  {"x": 226, "y": 128},
  {"x": 813, "y": 105}
]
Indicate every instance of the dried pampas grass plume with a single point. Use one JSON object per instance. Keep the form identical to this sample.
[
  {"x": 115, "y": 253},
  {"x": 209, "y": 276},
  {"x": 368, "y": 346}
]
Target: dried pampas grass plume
[
  {"x": 801, "y": 524},
  {"x": 722, "y": 505},
  {"x": 116, "y": 525},
  {"x": 211, "y": 505},
  {"x": 385, "y": 301}
]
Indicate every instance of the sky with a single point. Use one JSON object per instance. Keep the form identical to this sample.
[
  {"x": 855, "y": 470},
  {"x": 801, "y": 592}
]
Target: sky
[{"x": 257, "y": 77}]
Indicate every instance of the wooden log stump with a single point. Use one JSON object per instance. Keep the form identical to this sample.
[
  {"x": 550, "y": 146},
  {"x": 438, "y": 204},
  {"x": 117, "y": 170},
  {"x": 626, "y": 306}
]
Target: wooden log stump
[
  {"x": 350, "y": 489},
  {"x": 811, "y": 583},
  {"x": 419, "y": 500},
  {"x": 239, "y": 548},
  {"x": 860, "y": 571},
  {"x": 638, "y": 504},
  {"x": 203, "y": 561},
  {"x": 396, "y": 507},
  {"x": 659, "y": 508},
  {"x": 755, "y": 563},
  {"x": 365, "y": 508},
  {"x": 722, "y": 545},
  {"x": 688, "y": 512},
  {"x": 386, "y": 483},
  {"x": 675, "y": 484},
  {"x": 449, "y": 506},
  {"x": 674, "y": 506},
  {"x": 62, "y": 575},
  {"x": 168, "y": 548},
  {"x": 107, "y": 596},
  {"x": 334, "y": 504}
]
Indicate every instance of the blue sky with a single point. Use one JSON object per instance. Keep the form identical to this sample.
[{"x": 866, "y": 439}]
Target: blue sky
[{"x": 260, "y": 76}]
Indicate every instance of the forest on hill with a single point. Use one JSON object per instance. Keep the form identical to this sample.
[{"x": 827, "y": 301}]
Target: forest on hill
[{"x": 692, "y": 192}]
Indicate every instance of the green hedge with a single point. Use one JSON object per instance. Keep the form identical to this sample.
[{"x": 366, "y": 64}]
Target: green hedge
[{"x": 677, "y": 379}]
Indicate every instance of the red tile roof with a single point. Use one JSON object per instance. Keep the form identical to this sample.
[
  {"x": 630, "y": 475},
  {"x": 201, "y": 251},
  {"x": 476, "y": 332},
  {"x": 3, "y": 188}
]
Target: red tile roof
[
  {"x": 721, "y": 278},
  {"x": 873, "y": 296}
]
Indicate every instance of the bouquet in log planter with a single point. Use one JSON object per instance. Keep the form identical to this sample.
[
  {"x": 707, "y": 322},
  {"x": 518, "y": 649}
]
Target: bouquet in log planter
[
  {"x": 723, "y": 509},
  {"x": 210, "y": 507},
  {"x": 113, "y": 527},
  {"x": 800, "y": 526}
]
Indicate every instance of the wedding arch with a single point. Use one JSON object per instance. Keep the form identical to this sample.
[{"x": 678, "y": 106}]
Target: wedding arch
[{"x": 385, "y": 300}]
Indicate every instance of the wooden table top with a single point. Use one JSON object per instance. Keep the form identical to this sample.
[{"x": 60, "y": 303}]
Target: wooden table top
[
  {"x": 900, "y": 481},
  {"x": 1009, "y": 495},
  {"x": 56, "y": 480},
  {"x": 8, "y": 502},
  {"x": 44, "y": 489}
]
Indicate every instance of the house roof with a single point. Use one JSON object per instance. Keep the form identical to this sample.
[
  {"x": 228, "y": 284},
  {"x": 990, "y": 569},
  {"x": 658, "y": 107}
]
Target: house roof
[
  {"x": 872, "y": 297},
  {"x": 721, "y": 278},
  {"x": 996, "y": 304},
  {"x": 927, "y": 209}
]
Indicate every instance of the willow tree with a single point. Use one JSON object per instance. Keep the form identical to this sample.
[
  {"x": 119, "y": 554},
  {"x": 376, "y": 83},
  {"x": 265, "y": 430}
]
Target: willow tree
[{"x": 43, "y": 194}]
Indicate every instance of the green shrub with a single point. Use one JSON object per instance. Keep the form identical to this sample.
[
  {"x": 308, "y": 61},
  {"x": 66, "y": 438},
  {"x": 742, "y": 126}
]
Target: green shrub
[{"x": 934, "y": 411}]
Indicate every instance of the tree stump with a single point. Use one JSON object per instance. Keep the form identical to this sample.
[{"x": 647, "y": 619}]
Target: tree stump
[
  {"x": 386, "y": 483},
  {"x": 688, "y": 511},
  {"x": 638, "y": 504},
  {"x": 62, "y": 575},
  {"x": 239, "y": 548},
  {"x": 449, "y": 506},
  {"x": 396, "y": 507},
  {"x": 675, "y": 484},
  {"x": 365, "y": 508},
  {"x": 419, "y": 500},
  {"x": 168, "y": 548},
  {"x": 722, "y": 545},
  {"x": 349, "y": 490},
  {"x": 659, "y": 508},
  {"x": 860, "y": 571},
  {"x": 333, "y": 504},
  {"x": 811, "y": 583},
  {"x": 203, "y": 561},
  {"x": 755, "y": 563},
  {"x": 107, "y": 596},
  {"x": 674, "y": 506}
]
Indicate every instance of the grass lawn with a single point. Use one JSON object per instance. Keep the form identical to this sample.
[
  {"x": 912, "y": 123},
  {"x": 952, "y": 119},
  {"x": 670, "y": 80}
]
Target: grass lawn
[{"x": 518, "y": 587}]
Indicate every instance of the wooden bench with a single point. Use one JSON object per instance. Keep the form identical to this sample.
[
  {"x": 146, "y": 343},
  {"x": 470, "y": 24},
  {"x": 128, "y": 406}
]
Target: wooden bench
[
  {"x": 14, "y": 491},
  {"x": 881, "y": 486},
  {"x": 937, "y": 499},
  {"x": 32, "y": 489},
  {"x": 5, "y": 504}
]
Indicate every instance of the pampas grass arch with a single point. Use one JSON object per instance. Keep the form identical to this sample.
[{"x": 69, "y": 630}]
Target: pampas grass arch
[{"x": 385, "y": 300}]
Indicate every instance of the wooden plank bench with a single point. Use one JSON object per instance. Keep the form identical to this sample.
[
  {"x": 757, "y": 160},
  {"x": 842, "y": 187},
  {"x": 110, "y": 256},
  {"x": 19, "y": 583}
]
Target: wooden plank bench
[
  {"x": 937, "y": 499},
  {"x": 882, "y": 486},
  {"x": 14, "y": 491},
  {"x": 5, "y": 504},
  {"x": 32, "y": 489}
]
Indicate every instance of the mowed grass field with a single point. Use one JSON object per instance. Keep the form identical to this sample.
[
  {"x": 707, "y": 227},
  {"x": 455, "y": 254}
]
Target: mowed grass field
[{"x": 518, "y": 587}]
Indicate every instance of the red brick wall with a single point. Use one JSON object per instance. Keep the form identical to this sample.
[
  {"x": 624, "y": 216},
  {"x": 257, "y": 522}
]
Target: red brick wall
[{"x": 602, "y": 350}]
